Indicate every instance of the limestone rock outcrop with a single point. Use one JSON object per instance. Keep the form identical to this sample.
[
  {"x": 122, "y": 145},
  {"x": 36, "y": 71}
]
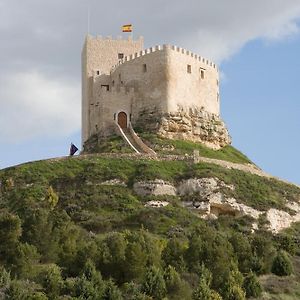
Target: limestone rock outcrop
[
  {"x": 206, "y": 197},
  {"x": 155, "y": 187},
  {"x": 197, "y": 126}
]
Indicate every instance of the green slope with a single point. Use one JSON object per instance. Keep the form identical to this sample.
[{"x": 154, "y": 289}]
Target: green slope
[{"x": 66, "y": 235}]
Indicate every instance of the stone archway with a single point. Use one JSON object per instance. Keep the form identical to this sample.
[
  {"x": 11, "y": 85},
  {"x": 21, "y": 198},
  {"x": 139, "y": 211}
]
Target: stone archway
[{"x": 122, "y": 119}]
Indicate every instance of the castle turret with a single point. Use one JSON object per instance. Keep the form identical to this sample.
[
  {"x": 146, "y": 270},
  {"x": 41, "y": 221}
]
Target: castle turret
[
  {"x": 164, "y": 89},
  {"x": 99, "y": 55}
]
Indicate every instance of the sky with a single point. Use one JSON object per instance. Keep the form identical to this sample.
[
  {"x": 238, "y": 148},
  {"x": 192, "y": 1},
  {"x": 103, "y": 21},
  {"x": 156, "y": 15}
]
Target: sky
[{"x": 256, "y": 45}]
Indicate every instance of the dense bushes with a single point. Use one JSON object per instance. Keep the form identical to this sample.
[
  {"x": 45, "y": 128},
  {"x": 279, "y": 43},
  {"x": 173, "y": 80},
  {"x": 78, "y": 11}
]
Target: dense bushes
[
  {"x": 64, "y": 235},
  {"x": 282, "y": 265}
]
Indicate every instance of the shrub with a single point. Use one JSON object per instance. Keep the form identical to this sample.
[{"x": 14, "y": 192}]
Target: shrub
[
  {"x": 282, "y": 265},
  {"x": 154, "y": 284},
  {"x": 252, "y": 286}
]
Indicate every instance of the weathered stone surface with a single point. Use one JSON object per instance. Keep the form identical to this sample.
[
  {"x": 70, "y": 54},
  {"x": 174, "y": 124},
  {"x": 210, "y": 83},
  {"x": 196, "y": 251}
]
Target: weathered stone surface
[
  {"x": 156, "y": 203},
  {"x": 155, "y": 187},
  {"x": 280, "y": 219},
  {"x": 195, "y": 125},
  {"x": 204, "y": 195}
]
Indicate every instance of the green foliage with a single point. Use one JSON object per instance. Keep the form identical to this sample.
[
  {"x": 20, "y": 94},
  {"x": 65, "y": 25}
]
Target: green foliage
[
  {"x": 154, "y": 284},
  {"x": 282, "y": 265},
  {"x": 232, "y": 289},
  {"x": 4, "y": 279},
  {"x": 20, "y": 290},
  {"x": 52, "y": 198},
  {"x": 181, "y": 147},
  {"x": 173, "y": 254},
  {"x": 51, "y": 280},
  {"x": 10, "y": 232},
  {"x": 252, "y": 286},
  {"x": 176, "y": 287},
  {"x": 100, "y": 241},
  {"x": 287, "y": 243},
  {"x": 112, "y": 292}
]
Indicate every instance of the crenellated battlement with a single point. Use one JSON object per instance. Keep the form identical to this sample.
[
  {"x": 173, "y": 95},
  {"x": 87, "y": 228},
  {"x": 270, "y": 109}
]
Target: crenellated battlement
[
  {"x": 165, "y": 47},
  {"x": 124, "y": 83},
  {"x": 110, "y": 38}
]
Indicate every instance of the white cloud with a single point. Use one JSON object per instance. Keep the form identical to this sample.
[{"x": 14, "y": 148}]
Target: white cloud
[
  {"x": 47, "y": 36},
  {"x": 223, "y": 30},
  {"x": 35, "y": 106}
]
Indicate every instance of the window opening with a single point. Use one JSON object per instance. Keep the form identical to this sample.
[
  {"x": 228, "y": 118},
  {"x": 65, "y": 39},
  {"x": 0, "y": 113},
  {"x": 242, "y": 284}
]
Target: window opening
[
  {"x": 189, "y": 69},
  {"x": 106, "y": 86},
  {"x": 120, "y": 55},
  {"x": 202, "y": 74},
  {"x": 144, "y": 68}
]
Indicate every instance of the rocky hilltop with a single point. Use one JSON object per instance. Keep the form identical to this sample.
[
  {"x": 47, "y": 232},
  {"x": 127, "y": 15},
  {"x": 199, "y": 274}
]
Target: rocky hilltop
[{"x": 188, "y": 223}]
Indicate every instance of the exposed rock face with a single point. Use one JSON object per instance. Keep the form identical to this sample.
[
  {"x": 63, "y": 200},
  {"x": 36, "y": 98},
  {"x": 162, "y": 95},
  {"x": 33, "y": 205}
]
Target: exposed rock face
[
  {"x": 156, "y": 187},
  {"x": 204, "y": 196},
  {"x": 197, "y": 126},
  {"x": 280, "y": 219},
  {"x": 156, "y": 203}
]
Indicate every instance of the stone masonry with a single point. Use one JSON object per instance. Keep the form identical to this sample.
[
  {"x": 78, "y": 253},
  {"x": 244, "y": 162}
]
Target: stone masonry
[{"x": 164, "y": 89}]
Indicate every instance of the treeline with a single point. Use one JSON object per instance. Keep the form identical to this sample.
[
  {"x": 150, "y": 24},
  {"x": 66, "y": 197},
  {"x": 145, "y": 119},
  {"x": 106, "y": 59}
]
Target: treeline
[{"x": 45, "y": 255}]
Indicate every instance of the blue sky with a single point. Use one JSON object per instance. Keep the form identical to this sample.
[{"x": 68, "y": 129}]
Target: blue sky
[{"x": 257, "y": 46}]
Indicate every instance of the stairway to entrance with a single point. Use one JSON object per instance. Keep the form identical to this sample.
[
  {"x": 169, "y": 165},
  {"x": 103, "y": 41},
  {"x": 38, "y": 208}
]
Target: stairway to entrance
[{"x": 133, "y": 140}]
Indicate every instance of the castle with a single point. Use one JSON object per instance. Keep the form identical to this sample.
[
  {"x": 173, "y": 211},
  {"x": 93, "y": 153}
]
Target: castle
[{"x": 164, "y": 89}]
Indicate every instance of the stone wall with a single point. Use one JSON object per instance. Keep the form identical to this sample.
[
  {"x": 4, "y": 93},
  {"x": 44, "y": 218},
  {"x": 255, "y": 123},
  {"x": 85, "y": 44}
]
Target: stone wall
[
  {"x": 98, "y": 56},
  {"x": 175, "y": 92}
]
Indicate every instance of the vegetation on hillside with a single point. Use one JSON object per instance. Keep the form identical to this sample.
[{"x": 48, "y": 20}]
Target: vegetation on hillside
[
  {"x": 66, "y": 234},
  {"x": 115, "y": 144}
]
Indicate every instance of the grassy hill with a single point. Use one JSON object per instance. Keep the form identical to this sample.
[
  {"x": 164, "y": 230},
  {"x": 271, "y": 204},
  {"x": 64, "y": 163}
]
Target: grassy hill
[{"x": 74, "y": 228}]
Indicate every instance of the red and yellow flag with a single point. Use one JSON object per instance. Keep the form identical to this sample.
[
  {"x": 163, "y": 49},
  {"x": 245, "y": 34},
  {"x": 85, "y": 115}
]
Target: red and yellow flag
[{"x": 127, "y": 28}]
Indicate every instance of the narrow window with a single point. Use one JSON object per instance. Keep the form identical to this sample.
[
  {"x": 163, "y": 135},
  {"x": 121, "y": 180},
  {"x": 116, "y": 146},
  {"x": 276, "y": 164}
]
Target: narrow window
[
  {"x": 113, "y": 83},
  {"x": 98, "y": 72},
  {"x": 106, "y": 86},
  {"x": 189, "y": 69},
  {"x": 120, "y": 55},
  {"x": 217, "y": 82},
  {"x": 202, "y": 74},
  {"x": 144, "y": 68},
  {"x": 119, "y": 77}
]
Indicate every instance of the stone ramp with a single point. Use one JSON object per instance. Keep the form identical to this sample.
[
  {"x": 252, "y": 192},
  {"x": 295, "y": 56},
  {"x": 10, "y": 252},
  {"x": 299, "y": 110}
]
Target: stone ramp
[{"x": 134, "y": 141}]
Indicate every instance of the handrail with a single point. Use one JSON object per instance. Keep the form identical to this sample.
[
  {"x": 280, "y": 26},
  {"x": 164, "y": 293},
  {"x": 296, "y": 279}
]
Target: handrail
[
  {"x": 139, "y": 141},
  {"x": 126, "y": 138}
]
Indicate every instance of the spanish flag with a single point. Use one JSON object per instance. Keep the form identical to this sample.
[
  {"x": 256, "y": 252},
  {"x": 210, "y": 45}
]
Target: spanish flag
[{"x": 127, "y": 28}]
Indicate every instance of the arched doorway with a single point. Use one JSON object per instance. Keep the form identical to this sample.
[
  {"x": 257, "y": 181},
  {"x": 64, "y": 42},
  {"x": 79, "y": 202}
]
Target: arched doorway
[{"x": 122, "y": 119}]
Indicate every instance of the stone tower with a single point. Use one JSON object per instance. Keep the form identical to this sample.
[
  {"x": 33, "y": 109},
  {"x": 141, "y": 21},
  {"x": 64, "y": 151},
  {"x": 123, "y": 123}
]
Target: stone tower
[
  {"x": 98, "y": 56},
  {"x": 165, "y": 89}
]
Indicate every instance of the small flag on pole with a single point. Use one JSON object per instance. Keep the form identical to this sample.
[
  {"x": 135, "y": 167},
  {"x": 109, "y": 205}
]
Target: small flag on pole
[
  {"x": 73, "y": 149},
  {"x": 127, "y": 28}
]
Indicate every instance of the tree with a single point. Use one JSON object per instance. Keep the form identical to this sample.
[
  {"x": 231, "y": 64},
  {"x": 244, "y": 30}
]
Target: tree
[
  {"x": 154, "y": 284},
  {"x": 203, "y": 291},
  {"x": 252, "y": 286},
  {"x": 135, "y": 264},
  {"x": 282, "y": 265},
  {"x": 176, "y": 287},
  {"x": 173, "y": 254},
  {"x": 132, "y": 291},
  {"x": 232, "y": 289},
  {"x": 10, "y": 231},
  {"x": 51, "y": 197},
  {"x": 51, "y": 280},
  {"x": 112, "y": 292}
]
